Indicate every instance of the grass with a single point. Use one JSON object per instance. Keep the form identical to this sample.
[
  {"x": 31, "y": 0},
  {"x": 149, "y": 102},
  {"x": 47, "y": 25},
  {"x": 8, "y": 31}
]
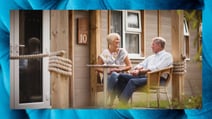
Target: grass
[
  {"x": 139, "y": 101},
  {"x": 153, "y": 104},
  {"x": 188, "y": 102}
]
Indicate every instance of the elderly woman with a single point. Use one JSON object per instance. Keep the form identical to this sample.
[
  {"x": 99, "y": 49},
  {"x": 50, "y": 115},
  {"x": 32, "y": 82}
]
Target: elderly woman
[{"x": 114, "y": 55}]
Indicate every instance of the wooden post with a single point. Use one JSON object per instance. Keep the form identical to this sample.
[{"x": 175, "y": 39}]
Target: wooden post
[
  {"x": 59, "y": 91},
  {"x": 59, "y": 41},
  {"x": 177, "y": 44},
  {"x": 158, "y": 21},
  {"x": 95, "y": 47}
]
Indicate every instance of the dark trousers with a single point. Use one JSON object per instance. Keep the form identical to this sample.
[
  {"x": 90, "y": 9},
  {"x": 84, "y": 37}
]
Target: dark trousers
[
  {"x": 127, "y": 84},
  {"x": 121, "y": 85}
]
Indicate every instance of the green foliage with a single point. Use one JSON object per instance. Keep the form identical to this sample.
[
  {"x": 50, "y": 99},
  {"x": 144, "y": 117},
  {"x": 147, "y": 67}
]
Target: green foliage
[
  {"x": 189, "y": 102},
  {"x": 198, "y": 54},
  {"x": 194, "y": 19}
]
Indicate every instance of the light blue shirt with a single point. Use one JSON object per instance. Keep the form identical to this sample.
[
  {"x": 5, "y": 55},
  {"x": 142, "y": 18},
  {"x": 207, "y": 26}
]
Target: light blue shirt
[{"x": 157, "y": 61}]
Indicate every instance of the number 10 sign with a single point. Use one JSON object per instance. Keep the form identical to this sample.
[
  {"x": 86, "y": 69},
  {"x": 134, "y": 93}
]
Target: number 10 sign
[{"x": 82, "y": 26}]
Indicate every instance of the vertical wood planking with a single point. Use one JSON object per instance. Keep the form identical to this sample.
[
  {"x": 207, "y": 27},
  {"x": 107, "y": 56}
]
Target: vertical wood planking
[{"x": 59, "y": 41}]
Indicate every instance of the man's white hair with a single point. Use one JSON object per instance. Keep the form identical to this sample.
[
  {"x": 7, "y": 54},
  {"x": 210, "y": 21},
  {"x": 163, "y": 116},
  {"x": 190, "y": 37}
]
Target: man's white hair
[{"x": 160, "y": 40}]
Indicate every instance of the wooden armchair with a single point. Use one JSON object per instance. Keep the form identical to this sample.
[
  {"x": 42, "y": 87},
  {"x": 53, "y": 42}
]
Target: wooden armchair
[{"x": 157, "y": 82}]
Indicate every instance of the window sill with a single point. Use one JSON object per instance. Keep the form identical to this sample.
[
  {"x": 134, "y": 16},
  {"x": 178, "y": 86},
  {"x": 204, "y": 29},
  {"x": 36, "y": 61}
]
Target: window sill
[
  {"x": 187, "y": 59},
  {"x": 136, "y": 58}
]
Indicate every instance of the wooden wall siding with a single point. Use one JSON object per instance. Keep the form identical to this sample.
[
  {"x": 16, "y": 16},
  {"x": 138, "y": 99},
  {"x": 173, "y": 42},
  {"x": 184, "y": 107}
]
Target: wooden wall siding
[
  {"x": 59, "y": 41},
  {"x": 150, "y": 29},
  {"x": 194, "y": 69},
  {"x": 104, "y": 28},
  {"x": 81, "y": 92},
  {"x": 193, "y": 78},
  {"x": 165, "y": 28},
  {"x": 193, "y": 48}
]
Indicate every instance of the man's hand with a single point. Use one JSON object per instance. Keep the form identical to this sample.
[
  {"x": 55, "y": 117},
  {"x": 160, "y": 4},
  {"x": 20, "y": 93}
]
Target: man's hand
[
  {"x": 134, "y": 72},
  {"x": 140, "y": 71}
]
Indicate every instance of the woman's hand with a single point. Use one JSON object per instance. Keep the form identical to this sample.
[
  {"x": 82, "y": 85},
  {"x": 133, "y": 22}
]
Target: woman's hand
[{"x": 114, "y": 70}]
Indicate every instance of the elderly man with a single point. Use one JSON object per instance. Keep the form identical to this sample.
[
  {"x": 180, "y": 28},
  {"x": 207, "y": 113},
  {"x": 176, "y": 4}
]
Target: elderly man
[{"x": 127, "y": 83}]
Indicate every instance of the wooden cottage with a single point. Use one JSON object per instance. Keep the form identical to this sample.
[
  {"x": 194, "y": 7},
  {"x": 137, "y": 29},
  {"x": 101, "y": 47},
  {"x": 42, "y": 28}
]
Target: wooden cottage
[{"x": 82, "y": 35}]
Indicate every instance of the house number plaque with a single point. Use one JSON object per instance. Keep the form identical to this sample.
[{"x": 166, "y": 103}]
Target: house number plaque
[{"x": 82, "y": 31}]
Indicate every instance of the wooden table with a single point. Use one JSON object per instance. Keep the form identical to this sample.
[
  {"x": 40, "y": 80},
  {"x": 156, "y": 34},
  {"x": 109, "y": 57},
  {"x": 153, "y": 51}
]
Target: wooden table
[{"x": 105, "y": 75}]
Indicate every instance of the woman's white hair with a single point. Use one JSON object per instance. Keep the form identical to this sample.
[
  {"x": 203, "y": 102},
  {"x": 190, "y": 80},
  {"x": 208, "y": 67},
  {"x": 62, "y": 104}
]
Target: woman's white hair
[{"x": 112, "y": 36}]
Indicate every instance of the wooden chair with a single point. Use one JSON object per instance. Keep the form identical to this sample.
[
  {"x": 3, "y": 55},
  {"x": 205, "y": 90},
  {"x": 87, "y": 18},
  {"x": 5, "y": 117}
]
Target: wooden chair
[
  {"x": 157, "y": 82},
  {"x": 99, "y": 83}
]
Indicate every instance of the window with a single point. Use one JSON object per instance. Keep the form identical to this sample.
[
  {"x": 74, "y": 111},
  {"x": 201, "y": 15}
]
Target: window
[
  {"x": 30, "y": 79},
  {"x": 116, "y": 23},
  {"x": 133, "y": 21},
  {"x": 185, "y": 26},
  {"x": 128, "y": 25},
  {"x": 131, "y": 43},
  {"x": 186, "y": 41},
  {"x": 186, "y": 47}
]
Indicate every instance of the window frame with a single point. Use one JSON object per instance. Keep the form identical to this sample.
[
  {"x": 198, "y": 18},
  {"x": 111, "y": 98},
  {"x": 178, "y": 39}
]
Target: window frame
[
  {"x": 125, "y": 30},
  {"x": 185, "y": 27},
  {"x": 186, "y": 41},
  {"x": 133, "y": 55},
  {"x": 132, "y": 31},
  {"x": 186, "y": 47},
  {"x": 129, "y": 29},
  {"x": 14, "y": 64}
]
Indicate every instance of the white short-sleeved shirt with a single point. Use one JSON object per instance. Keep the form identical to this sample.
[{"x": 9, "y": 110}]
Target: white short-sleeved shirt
[
  {"x": 157, "y": 61},
  {"x": 111, "y": 58}
]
